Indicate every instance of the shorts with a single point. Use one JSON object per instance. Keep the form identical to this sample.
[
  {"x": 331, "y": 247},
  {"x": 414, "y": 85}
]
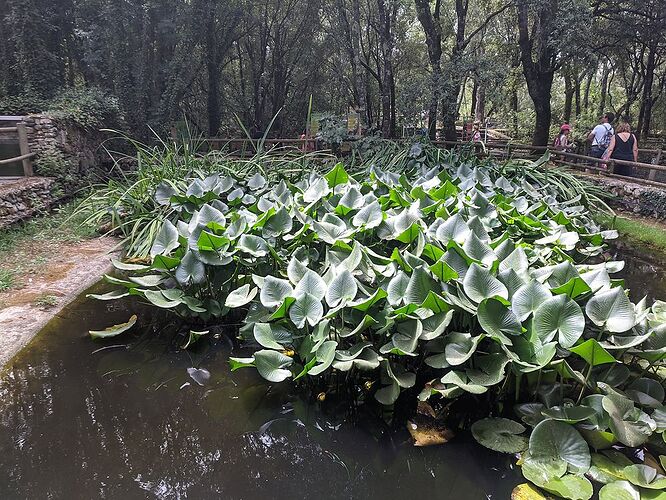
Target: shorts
[{"x": 597, "y": 151}]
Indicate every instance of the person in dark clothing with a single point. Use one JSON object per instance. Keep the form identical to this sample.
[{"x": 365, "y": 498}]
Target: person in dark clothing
[{"x": 623, "y": 146}]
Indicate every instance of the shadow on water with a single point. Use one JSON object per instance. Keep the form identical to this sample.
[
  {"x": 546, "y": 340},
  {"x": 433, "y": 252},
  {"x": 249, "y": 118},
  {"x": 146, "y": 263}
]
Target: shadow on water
[
  {"x": 644, "y": 271},
  {"x": 123, "y": 419}
]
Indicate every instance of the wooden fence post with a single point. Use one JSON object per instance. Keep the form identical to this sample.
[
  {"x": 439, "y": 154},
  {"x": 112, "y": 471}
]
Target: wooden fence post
[
  {"x": 25, "y": 149},
  {"x": 653, "y": 173},
  {"x": 611, "y": 167}
]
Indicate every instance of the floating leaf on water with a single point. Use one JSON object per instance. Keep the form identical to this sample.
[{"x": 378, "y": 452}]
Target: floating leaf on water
[
  {"x": 112, "y": 331},
  {"x": 553, "y": 440},
  {"x": 619, "y": 490},
  {"x": 199, "y": 375},
  {"x": 500, "y": 434},
  {"x": 429, "y": 434},
  {"x": 526, "y": 491}
]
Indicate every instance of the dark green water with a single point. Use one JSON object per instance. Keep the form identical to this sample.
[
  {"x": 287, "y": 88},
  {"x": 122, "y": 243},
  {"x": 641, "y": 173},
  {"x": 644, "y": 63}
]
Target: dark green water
[
  {"x": 77, "y": 422},
  {"x": 123, "y": 419},
  {"x": 10, "y": 150}
]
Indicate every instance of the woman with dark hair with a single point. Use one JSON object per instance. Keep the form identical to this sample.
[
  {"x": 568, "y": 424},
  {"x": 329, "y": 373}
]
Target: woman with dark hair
[{"x": 623, "y": 146}]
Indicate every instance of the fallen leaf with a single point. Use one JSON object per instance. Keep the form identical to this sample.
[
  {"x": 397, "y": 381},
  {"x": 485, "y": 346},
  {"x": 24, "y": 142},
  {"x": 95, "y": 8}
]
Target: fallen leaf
[{"x": 429, "y": 434}]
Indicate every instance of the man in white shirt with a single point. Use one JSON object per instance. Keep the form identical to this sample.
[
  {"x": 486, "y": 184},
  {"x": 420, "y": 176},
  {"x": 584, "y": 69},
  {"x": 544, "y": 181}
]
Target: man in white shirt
[{"x": 601, "y": 135}]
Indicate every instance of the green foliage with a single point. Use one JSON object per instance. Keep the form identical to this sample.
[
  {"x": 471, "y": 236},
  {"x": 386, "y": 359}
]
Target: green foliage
[
  {"x": 86, "y": 107},
  {"x": 7, "y": 280},
  {"x": 467, "y": 276},
  {"x": 29, "y": 100},
  {"x": 46, "y": 301}
]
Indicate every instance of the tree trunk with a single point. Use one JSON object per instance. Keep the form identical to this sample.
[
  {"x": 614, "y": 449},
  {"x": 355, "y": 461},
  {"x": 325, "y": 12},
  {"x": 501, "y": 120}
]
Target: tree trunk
[
  {"x": 433, "y": 38},
  {"x": 577, "y": 83},
  {"x": 387, "y": 69},
  {"x": 645, "y": 116},
  {"x": 480, "y": 108},
  {"x": 568, "y": 96},
  {"x": 475, "y": 91},
  {"x": 586, "y": 95},
  {"x": 538, "y": 74},
  {"x": 212, "y": 72},
  {"x": 604, "y": 90},
  {"x": 514, "y": 109}
]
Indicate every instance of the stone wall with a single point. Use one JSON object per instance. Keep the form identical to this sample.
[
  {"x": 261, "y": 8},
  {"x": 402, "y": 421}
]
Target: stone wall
[
  {"x": 61, "y": 148},
  {"x": 22, "y": 198},
  {"x": 641, "y": 199}
]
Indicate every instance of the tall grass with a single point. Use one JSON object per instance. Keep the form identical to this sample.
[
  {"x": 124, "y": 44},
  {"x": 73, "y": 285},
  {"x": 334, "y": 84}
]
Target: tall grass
[{"x": 125, "y": 205}]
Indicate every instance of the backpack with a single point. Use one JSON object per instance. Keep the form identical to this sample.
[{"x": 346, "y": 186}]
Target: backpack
[{"x": 605, "y": 142}]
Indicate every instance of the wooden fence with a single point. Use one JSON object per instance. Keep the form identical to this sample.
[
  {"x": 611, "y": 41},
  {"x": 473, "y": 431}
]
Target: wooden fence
[
  {"x": 580, "y": 161},
  {"x": 26, "y": 156}
]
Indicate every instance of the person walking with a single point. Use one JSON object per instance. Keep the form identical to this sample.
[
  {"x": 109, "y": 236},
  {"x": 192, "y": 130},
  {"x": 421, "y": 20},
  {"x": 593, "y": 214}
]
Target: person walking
[
  {"x": 476, "y": 132},
  {"x": 561, "y": 142},
  {"x": 601, "y": 135},
  {"x": 623, "y": 146}
]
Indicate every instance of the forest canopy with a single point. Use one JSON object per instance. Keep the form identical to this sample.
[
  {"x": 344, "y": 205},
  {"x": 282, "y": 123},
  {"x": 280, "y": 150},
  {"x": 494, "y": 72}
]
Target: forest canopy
[{"x": 527, "y": 65}]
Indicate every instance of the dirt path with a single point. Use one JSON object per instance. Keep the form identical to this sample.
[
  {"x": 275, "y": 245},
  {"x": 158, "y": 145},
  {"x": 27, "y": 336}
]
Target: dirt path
[{"x": 47, "y": 289}]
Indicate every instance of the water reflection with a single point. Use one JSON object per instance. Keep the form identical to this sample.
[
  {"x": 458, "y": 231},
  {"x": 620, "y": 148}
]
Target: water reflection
[
  {"x": 128, "y": 421},
  {"x": 643, "y": 271}
]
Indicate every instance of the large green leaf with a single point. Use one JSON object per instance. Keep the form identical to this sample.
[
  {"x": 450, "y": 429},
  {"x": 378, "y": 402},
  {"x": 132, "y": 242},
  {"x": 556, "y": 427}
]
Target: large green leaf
[
  {"x": 306, "y": 309},
  {"x": 279, "y": 223},
  {"x": 419, "y": 286},
  {"x": 479, "y": 284},
  {"x": 645, "y": 476},
  {"x": 190, "y": 271},
  {"x": 611, "y": 310},
  {"x": 272, "y": 365},
  {"x": 593, "y": 353},
  {"x": 630, "y": 425},
  {"x": 274, "y": 291},
  {"x": 240, "y": 296},
  {"x": 337, "y": 175},
  {"x": 325, "y": 355},
  {"x": 396, "y": 289},
  {"x": 253, "y": 245},
  {"x": 460, "y": 347},
  {"x": 497, "y": 319},
  {"x": 500, "y": 434},
  {"x": 114, "y": 330},
  {"x": 271, "y": 336},
  {"x": 554, "y": 440},
  {"x": 311, "y": 283},
  {"x": 528, "y": 298},
  {"x": 166, "y": 240},
  {"x": 559, "y": 316},
  {"x": 619, "y": 490},
  {"x": 369, "y": 216},
  {"x": 342, "y": 289}
]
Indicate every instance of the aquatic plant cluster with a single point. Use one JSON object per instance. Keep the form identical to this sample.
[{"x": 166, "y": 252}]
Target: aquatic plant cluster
[{"x": 451, "y": 281}]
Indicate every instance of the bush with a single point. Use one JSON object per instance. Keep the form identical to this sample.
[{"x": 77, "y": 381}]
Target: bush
[
  {"x": 87, "y": 107},
  {"x": 27, "y": 102}
]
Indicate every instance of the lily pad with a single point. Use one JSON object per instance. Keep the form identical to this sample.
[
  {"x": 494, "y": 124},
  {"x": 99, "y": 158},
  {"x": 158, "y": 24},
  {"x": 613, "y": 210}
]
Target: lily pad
[{"x": 500, "y": 434}]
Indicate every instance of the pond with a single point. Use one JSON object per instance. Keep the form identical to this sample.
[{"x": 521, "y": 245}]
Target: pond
[{"x": 124, "y": 419}]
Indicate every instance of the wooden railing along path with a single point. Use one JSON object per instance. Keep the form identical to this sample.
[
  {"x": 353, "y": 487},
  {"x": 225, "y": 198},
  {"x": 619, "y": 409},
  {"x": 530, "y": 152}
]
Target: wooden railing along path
[
  {"x": 26, "y": 156},
  {"x": 497, "y": 149}
]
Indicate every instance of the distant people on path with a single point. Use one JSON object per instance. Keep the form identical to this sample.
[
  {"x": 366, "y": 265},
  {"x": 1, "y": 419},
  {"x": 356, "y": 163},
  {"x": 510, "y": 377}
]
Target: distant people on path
[
  {"x": 601, "y": 135},
  {"x": 623, "y": 146},
  {"x": 476, "y": 132},
  {"x": 561, "y": 142}
]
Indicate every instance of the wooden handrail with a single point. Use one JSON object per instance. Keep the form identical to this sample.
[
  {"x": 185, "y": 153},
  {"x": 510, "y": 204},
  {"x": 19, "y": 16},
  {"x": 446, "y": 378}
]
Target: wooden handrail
[
  {"x": 8, "y": 129},
  {"x": 18, "y": 158}
]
